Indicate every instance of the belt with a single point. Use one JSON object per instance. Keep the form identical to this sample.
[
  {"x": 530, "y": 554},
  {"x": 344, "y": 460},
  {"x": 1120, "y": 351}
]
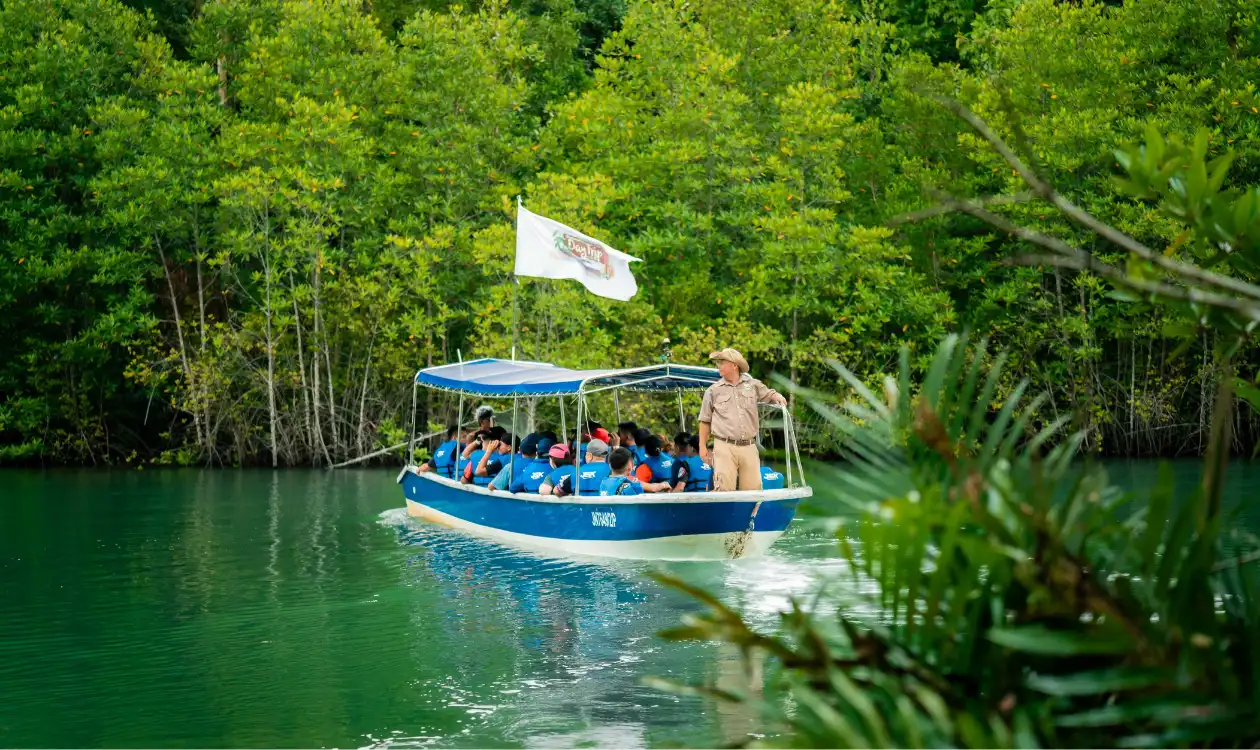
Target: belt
[{"x": 734, "y": 442}]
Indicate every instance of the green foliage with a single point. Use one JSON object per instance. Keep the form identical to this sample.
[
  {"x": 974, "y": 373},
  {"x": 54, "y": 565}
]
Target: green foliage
[
  {"x": 1017, "y": 599},
  {"x": 1224, "y": 223},
  {"x": 209, "y": 215}
]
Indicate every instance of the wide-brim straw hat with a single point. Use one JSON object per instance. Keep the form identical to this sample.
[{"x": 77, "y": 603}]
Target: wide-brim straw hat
[{"x": 731, "y": 355}]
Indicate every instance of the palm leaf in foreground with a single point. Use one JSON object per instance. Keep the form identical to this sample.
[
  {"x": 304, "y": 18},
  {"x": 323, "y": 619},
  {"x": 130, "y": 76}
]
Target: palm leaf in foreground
[{"x": 1021, "y": 599}]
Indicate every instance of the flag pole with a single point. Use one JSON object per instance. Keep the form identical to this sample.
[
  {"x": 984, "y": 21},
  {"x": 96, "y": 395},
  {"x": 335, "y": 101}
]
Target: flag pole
[{"x": 516, "y": 329}]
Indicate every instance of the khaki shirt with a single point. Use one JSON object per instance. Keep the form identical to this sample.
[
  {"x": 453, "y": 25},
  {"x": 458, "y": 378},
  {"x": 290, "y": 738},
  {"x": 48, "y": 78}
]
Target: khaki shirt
[{"x": 731, "y": 410}]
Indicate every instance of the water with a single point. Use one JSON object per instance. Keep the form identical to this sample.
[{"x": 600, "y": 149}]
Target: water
[{"x": 250, "y": 609}]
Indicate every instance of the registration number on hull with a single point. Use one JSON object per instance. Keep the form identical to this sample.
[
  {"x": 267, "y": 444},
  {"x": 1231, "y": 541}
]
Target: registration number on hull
[{"x": 603, "y": 519}]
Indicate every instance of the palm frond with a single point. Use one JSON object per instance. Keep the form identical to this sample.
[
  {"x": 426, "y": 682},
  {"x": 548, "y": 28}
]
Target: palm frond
[{"x": 1019, "y": 597}]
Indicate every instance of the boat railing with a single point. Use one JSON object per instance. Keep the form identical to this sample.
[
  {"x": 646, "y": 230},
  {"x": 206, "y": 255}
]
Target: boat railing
[{"x": 680, "y": 376}]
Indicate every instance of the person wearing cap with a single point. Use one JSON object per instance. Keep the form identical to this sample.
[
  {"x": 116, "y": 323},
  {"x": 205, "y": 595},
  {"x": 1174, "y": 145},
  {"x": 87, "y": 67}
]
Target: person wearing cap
[
  {"x": 591, "y": 474},
  {"x": 530, "y": 475},
  {"x": 561, "y": 467},
  {"x": 728, "y": 414}
]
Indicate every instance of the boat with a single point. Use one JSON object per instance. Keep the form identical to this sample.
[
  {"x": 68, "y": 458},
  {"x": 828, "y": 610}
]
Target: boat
[{"x": 655, "y": 526}]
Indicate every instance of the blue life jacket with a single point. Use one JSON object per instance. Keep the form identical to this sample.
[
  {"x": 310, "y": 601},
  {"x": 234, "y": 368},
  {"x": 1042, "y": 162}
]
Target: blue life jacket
[
  {"x": 518, "y": 468},
  {"x": 531, "y": 476},
  {"x": 699, "y": 475},
  {"x": 444, "y": 458},
  {"x": 475, "y": 460},
  {"x": 771, "y": 479},
  {"x": 619, "y": 486},
  {"x": 592, "y": 476},
  {"x": 662, "y": 467},
  {"x": 557, "y": 475},
  {"x": 639, "y": 454}
]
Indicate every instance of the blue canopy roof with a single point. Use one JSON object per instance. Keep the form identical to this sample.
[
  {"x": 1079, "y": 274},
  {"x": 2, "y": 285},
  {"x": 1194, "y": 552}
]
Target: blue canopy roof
[{"x": 505, "y": 377}]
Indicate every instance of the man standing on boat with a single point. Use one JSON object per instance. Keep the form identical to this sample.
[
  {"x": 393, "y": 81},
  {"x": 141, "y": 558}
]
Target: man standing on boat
[{"x": 728, "y": 414}]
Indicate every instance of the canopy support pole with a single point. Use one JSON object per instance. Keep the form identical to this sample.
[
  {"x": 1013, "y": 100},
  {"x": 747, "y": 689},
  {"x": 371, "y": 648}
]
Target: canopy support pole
[
  {"x": 617, "y": 406},
  {"x": 512, "y": 460},
  {"x": 787, "y": 444},
  {"x": 577, "y": 447},
  {"x": 411, "y": 452},
  {"x": 682, "y": 415},
  {"x": 564, "y": 429},
  {"x": 459, "y": 453},
  {"x": 800, "y": 467}
]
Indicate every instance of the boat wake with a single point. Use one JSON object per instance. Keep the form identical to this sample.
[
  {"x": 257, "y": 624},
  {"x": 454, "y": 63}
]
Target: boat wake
[{"x": 394, "y": 517}]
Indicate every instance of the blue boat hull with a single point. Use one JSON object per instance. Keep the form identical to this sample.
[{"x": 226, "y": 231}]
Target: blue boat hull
[{"x": 685, "y": 526}]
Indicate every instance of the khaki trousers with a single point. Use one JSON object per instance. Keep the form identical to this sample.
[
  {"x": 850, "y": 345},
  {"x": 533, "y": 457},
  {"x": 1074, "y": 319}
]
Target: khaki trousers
[{"x": 734, "y": 464}]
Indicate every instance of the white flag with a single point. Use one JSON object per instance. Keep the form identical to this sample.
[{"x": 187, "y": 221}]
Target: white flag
[{"x": 551, "y": 250}]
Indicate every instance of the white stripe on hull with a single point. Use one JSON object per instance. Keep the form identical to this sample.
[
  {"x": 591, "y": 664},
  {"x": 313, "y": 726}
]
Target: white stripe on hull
[{"x": 722, "y": 546}]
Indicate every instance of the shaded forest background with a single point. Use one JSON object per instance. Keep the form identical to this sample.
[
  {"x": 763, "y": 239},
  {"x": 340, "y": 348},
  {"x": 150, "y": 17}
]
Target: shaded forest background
[{"x": 230, "y": 230}]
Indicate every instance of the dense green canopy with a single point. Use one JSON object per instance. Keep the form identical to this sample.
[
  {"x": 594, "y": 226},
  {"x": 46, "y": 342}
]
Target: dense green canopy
[{"x": 230, "y": 232}]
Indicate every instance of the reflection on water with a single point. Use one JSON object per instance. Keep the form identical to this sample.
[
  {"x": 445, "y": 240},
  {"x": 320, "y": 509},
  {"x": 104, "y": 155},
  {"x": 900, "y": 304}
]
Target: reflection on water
[
  {"x": 302, "y": 608},
  {"x": 581, "y": 632},
  {"x": 187, "y": 608}
]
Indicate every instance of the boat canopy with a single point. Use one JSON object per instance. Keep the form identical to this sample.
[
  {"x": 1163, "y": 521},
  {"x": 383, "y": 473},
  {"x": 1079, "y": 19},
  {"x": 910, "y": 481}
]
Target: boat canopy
[{"x": 506, "y": 377}]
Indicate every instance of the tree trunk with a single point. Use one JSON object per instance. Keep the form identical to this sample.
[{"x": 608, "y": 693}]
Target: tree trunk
[
  {"x": 319, "y": 430},
  {"x": 363, "y": 393},
  {"x": 306, "y": 394},
  {"x": 271, "y": 343},
  {"x": 201, "y": 393},
  {"x": 332, "y": 401},
  {"x": 179, "y": 336},
  {"x": 1058, "y": 295},
  {"x": 1133, "y": 397},
  {"x": 223, "y": 78}
]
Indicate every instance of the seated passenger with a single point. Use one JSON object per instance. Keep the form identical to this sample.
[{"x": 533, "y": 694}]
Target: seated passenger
[
  {"x": 771, "y": 479},
  {"x": 503, "y": 479},
  {"x": 561, "y": 466},
  {"x": 640, "y": 440},
  {"x": 656, "y": 468},
  {"x": 590, "y": 475},
  {"x": 627, "y": 434},
  {"x": 691, "y": 473},
  {"x": 472, "y": 456},
  {"x": 621, "y": 479},
  {"x": 533, "y": 471},
  {"x": 680, "y": 444},
  {"x": 670, "y": 447},
  {"x": 485, "y": 417},
  {"x": 446, "y": 455},
  {"x": 505, "y": 467},
  {"x": 499, "y": 454}
]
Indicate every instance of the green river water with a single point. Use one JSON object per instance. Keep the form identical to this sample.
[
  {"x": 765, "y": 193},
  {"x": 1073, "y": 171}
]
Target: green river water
[{"x": 303, "y": 609}]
